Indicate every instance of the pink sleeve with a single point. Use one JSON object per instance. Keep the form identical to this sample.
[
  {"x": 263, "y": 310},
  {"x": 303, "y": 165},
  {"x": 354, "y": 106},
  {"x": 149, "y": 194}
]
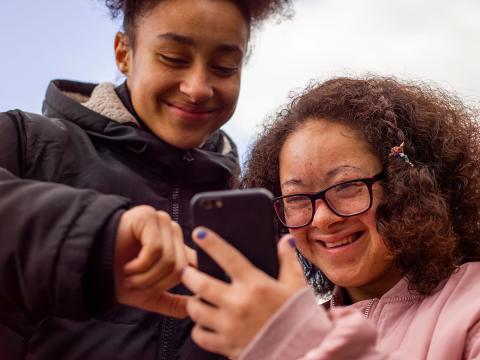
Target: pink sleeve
[
  {"x": 296, "y": 327},
  {"x": 305, "y": 331},
  {"x": 351, "y": 337},
  {"x": 472, "y": 347}
]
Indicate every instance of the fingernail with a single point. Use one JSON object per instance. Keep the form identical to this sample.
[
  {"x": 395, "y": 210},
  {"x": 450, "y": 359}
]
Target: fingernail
[
  {"x": 292, "y": 242},
  {"x": 201, "y": 234},
  {"x": 183, "y": 271}
]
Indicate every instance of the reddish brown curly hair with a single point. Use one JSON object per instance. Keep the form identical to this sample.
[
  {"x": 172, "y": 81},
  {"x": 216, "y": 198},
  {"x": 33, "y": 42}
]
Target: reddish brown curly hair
[{"x": 430, "y": 216}]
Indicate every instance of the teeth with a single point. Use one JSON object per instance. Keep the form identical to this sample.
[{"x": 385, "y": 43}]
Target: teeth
[{"x": 345, "y": 241}]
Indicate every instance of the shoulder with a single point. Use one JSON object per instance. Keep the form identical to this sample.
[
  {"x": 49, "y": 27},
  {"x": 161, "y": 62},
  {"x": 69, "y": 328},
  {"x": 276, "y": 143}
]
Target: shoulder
[
  {"x": 39, "y": 126},
  {"x": 455, "y": 296},
  {"x": 461, "y": 292},
  {"x": 467, "y": 275},
  {"x": 463, "y": 283},
  {"x": 38, "y": 135}
]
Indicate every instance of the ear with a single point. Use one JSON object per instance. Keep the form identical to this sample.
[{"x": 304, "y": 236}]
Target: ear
[{"x": 122, "y": 53}]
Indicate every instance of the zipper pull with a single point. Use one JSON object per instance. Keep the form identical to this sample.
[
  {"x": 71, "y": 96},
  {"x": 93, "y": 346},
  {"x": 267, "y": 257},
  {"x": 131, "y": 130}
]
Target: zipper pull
[{"x": 187, "y": 156}]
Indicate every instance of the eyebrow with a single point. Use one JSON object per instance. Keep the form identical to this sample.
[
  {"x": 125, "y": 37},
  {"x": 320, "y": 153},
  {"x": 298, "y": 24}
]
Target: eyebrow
[
  {"x": 191, "y": 42},
  {"x": 178, "y": 38},
  {"x": 291, "y": 182},
  {"x": 329, "y": 175},
  {"x": 339, "y": 169}
]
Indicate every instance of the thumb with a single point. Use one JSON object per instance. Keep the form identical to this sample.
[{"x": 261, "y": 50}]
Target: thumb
[{"x": 291, "y": 272}]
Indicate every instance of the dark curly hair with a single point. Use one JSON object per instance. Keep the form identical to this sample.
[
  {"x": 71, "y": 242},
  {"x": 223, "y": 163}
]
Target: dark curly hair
[
  {"x": 254, "y": 11},
  {"x": 430, "y": 216}
]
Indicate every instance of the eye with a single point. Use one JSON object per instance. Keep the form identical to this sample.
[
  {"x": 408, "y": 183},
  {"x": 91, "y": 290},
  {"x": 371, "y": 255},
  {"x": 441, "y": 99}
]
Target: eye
[
  {"x": 225, "y": 71},
  {"x": 349, "y": 189},
  {"x": 296, "y": 201},
  {"x": 173, "y": 60}
]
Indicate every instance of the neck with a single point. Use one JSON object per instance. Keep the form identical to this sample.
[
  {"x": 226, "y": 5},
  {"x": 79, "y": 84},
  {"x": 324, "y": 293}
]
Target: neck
[
  {"x": 376, "y": 288},
  {"x": 123, "y": 93}
]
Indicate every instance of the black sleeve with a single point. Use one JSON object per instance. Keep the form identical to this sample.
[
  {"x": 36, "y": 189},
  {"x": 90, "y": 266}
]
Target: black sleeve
[
  {"x": 99, "y": 281},
  {"x": 47, "y": 233}
]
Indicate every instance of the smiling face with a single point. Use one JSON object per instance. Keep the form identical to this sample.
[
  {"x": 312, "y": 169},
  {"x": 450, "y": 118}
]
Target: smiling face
[
  {"x": 184, "y": 72},
  {"x": 349, "y": 251}
]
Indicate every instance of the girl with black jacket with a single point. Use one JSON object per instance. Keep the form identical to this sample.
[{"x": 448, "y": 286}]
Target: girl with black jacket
[{"x": 94, "y": 193}]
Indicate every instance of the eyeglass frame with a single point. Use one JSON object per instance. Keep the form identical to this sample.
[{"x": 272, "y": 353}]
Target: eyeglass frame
[{"x": 321, "y": 196}]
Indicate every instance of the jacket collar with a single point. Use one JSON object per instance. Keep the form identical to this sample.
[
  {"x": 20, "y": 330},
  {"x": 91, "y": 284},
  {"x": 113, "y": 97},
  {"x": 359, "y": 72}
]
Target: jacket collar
[
  {"x": 108, "y": 120},
  {"x": 399, "y": 292}
]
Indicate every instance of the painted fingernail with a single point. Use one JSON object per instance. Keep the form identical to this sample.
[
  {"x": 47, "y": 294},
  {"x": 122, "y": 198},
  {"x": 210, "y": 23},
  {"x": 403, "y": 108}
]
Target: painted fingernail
[
  {"x": 292, "y": 242},
  {"x": 201, "y": 234}
]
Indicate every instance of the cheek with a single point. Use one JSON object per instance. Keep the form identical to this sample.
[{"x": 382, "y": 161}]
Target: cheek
[
  {"x": 229, "y": 92},
  {"x": 370, "y": 221},
  {"x": 379, "y": 247}
]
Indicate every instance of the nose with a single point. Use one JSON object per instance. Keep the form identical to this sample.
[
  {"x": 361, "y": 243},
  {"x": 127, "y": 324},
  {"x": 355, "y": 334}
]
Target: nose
[
  {"x": 325, "y": 219},
  {"x": 196, "y": 85}
]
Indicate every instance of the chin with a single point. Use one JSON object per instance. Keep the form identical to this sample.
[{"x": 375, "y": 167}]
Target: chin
[
  {"x": 183, "y": 142},
  {"x": 187, "y": 144},
  {"x": 345, "y": 280}
]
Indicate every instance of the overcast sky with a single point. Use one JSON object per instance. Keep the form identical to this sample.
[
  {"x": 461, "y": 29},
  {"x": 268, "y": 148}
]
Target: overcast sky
[{"x": 432, "y": 40}]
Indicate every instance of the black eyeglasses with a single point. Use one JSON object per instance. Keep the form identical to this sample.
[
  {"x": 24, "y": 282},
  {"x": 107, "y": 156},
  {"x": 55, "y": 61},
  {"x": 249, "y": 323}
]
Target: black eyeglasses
[{"x": 346, "y": 199}]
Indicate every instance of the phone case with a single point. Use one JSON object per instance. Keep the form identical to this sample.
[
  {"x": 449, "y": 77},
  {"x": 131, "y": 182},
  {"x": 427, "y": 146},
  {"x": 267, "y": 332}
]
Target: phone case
[{"x": 245, "y": 219}]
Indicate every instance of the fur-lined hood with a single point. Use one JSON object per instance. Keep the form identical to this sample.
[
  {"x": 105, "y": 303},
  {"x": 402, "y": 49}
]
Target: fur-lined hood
[{"x": 98, "y": 110}]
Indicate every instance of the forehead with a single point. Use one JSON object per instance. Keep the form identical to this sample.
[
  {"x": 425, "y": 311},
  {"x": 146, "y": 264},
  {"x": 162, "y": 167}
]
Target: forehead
[
  {"x": 321, "y": 151},
  {"x": 211, "y": 20}
]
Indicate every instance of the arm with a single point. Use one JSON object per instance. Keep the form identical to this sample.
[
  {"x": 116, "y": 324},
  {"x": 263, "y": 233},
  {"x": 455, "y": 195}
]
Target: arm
[
  {"x": 72, "y": 252},
  {"x": 46, "y": 235},
  {"x": 305, "y": 331},
  {"x": 472, "y": 346},
  {"x": 277, "y": 321}
]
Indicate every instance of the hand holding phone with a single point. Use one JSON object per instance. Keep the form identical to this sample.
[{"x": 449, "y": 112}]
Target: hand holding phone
[{"x": 228, "y": 316}]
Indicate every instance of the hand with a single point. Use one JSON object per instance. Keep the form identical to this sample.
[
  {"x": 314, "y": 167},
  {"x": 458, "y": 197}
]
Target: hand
[
  {"x": 237, "y": 311},
  {"x": 149, "y": 257}
]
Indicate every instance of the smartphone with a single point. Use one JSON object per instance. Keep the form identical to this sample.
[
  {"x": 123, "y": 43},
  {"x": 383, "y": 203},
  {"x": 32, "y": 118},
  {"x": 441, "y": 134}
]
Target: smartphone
[{"x": 245, "y": 219}]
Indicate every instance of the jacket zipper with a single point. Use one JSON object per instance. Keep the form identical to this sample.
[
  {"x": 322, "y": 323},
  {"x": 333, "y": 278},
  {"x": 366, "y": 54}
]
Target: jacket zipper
[
  {"x": 168, "y": 324},
  {"x": 167, "y": 330},
  {"x": 366, "y": 312},
  {"x": 369, "y": 307},
  {"x": 176, "y": 204}
]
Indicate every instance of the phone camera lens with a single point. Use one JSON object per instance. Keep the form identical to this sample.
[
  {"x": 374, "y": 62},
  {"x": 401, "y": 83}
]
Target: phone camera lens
[{"x": 207, "y": 204}]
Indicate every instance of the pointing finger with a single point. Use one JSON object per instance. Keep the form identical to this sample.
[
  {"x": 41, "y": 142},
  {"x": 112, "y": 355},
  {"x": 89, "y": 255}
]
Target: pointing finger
[{"x": 228, "y": 257}]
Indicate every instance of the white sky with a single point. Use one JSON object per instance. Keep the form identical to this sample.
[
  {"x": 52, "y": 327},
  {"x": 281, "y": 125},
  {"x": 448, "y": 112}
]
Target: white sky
[{"x": 432, "y": 40}]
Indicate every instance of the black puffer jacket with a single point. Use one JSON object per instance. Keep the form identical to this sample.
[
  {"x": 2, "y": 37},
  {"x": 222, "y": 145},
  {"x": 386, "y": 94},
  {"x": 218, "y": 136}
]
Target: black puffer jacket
[{"x": 65, "y": 179}]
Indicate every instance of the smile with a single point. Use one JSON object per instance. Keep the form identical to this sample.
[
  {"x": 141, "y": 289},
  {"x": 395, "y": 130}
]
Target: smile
[
  {"x": 191, "y": 112},
  {"x": 343, "y": 242}
]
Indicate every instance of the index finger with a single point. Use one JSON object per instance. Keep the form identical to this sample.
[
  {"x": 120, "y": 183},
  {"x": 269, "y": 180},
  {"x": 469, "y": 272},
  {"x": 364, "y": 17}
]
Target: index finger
[{"x": 228, "y": 257}]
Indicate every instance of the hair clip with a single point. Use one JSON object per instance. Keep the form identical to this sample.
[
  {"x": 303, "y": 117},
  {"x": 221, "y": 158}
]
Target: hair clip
[{"x": 397, "y": 152}]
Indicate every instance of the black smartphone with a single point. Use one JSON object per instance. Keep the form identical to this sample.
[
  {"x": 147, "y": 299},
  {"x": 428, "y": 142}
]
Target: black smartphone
[{"x": 245, "y": 219}]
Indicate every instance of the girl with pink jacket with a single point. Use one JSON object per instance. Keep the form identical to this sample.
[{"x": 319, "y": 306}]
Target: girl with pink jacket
[{"x": 377, "y": 182}]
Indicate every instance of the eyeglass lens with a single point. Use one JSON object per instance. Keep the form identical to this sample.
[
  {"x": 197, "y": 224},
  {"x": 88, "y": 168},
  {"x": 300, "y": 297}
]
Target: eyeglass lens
[{"x": 344, "y": 199}]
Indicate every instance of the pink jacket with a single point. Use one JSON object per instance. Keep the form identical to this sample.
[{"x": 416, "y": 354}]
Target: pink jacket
[{"x": 443, "y": 326}]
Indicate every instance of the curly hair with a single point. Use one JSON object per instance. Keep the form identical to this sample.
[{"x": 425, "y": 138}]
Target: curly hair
[
  {"x": 254, "y": 11},
  {"x": 430, "y": 216}
]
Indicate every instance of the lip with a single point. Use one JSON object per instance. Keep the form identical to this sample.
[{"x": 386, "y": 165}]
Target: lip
[
  {"x": 359, "y": 236},
  {"x": 191, "y": 113}
]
